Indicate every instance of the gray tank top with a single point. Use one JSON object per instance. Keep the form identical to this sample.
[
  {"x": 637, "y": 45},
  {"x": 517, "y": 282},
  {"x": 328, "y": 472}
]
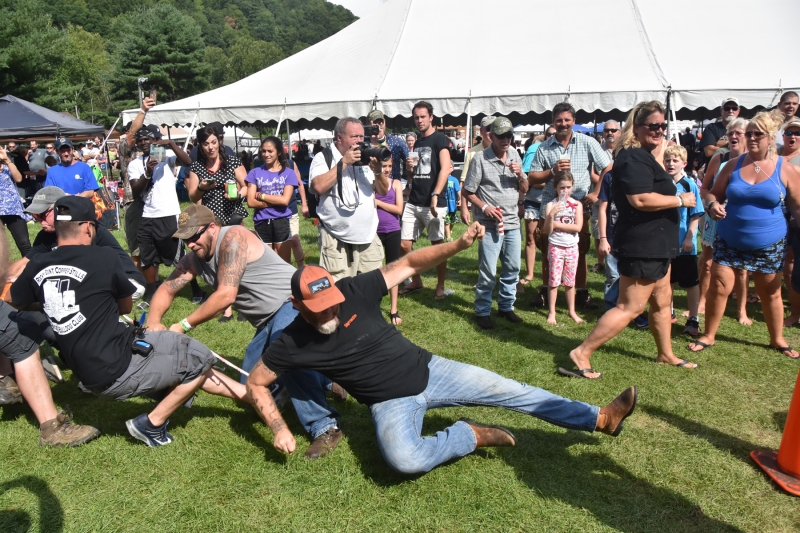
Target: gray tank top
[{"x": 264, "y": 287}]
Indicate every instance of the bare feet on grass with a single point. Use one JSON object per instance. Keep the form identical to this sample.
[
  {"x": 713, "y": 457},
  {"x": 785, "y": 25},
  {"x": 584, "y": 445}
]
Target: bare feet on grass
[
  {"x": 744, "y": 320},
  {"x": 576, "y": 318},
  {"x": 551, "y": 319}
]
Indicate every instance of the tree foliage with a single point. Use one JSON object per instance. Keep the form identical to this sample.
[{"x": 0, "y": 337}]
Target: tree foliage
[{"x": 88, "y": 55}]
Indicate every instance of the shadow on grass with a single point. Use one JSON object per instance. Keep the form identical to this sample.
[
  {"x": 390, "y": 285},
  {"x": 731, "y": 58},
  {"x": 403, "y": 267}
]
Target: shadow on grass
[
  {"x": 51, "y": 513},
  {"x": 780, "y": 419},
  {"x": 737, "y": 447}
]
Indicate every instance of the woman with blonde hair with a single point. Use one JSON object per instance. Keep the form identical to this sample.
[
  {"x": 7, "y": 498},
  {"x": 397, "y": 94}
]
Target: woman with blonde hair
[
  {"x": 735, "y": 131},
  {"x": 645, "y": 239},
  {"x": 751, "y": 231}
]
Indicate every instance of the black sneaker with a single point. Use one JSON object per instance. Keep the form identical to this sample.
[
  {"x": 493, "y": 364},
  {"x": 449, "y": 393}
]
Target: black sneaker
[
  {"x": 139, "y": 429},
  {"x": 484, "y": 322},
  {"x": 511, "y": 316},
  {"x": 692, "y": 327},
  {"x": 540, "y": 300},
  {"x": 584, "y": 300}
]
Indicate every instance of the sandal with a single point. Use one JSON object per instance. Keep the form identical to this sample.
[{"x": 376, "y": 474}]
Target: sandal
[
  {"x": 579, "y": 373},
  {"x": 408, "y": 290},
  {"x": 394, "y": 317},
  {"x": 525, "y": 281},
  {"x": 683, "y": 364},
  {"x": 786, "y": 350},
  {"x": 701, "y": 344}
]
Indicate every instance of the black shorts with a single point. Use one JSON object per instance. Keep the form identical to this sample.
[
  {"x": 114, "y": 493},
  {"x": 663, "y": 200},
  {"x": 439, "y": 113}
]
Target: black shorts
[
  {"x": 391, "y": 245},
  {"x": 638, "y": 268},
  {"x": 684, "y": 272},
  {"x": 157, "y": 246},
  {"x": 274, "y": 230},
  {"x": 133, "y": 217}
]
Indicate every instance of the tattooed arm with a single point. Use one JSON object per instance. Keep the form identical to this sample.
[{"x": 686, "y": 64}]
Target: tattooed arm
[
  {"x": 233, "y": 258},
  {"x": 260, "y": 378},
  {"x": 185, "y": 271}
]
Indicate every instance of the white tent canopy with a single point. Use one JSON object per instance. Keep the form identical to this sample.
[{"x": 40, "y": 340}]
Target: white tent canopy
[
  {"x": 311, "y": 135},
  {"x": 400, "y": 53}
]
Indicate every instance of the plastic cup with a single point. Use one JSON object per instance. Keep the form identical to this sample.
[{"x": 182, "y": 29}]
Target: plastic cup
[{"x": 413, "y": 157}]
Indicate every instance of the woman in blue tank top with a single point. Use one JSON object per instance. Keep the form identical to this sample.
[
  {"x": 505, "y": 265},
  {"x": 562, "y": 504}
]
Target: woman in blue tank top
[{"x": 751, "y": 228}]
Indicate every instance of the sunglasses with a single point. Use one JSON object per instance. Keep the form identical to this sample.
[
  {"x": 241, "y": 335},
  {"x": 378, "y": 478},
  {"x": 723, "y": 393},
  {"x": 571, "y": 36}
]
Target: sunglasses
[
  {"x": 610, "y": 130},
  {"x": 41, "y": 216},
  {"x": 50, "y": 148},
  {"x": 656, "y": 126},
  {"x": 505, "y": 136},
  {"x": 196, "y": 236},
  {"x": 549, "y": 134},
  {"x": 754, "y": 134},
  {"x": 792, "y": 133},
  {"x": 735, "y": 134},
  {"x": 731, "y": 108}
]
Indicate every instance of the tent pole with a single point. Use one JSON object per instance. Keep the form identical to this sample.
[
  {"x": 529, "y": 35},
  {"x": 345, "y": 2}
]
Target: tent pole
[
  {"x": 469, "y": 121},
  {"x": 235, "y": 140},
  {"x": 289, "y": 140}
]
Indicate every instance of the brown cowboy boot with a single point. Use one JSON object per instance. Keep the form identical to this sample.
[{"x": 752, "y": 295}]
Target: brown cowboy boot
[{"x": 612, "y": 415}]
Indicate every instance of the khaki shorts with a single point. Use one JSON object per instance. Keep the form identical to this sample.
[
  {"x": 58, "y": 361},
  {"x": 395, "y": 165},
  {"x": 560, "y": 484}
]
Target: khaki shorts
[
  {"x": 342, "y": 259},
  {"x": 294, "y": 224},
  {"x": 415, "y": 219}
]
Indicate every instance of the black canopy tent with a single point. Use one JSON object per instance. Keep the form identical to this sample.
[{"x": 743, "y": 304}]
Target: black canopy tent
[{"x": 20, "y": 119}]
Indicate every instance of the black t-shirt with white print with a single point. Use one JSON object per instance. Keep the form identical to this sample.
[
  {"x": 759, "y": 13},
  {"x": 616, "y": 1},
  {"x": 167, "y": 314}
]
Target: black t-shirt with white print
[
  {"x": 78, "y": 287},
  {"x": 427, "y": 172},
  {"x": 365, "y": 355}
]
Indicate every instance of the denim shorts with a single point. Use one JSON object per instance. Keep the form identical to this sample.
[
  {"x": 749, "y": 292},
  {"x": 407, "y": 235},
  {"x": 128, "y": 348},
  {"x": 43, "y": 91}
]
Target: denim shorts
[{"x": 532, "y": 210}]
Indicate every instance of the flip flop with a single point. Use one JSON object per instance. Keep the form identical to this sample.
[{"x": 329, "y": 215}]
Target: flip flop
[
  {"x": 786, "y": 350},
  {"x": 406, "y": 290},
  {"x": 702, "y": 345},
  {"x": 393, "y": 317},
  {"x": 525, "y": 281},
  {"x": 684, "y": 364},
  {"x": 578, "y": 373}
]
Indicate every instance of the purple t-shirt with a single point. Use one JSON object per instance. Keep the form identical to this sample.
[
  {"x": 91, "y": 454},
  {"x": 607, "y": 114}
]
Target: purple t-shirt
[
  {"x": 271, "y": 183},
  {"x": 387, "y": 222}
]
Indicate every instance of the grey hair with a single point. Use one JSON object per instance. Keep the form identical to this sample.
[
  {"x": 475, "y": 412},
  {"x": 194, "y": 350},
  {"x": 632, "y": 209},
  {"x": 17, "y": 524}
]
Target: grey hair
[
  {"x": 609, "y": 122},
  {"x": 341, "y": 125},
  {"x": 738, "y": 123},
  {"x": 411, "y": 134}
]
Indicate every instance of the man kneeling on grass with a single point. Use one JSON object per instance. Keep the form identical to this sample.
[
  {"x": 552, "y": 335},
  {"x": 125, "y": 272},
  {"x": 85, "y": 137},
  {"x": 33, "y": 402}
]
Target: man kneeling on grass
[
  {"x": 342, "y": 334},
  {"x": 83, "y": 290}
]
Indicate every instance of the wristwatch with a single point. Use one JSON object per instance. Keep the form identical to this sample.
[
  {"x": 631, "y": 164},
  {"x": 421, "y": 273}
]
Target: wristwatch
[{"x": 434, "y": 194}]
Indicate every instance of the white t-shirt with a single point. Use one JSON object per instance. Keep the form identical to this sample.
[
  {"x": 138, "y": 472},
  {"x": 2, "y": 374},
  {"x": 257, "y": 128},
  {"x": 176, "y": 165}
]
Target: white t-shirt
[
  {"x": 161, "y": 200},
  {"x": 353, "y": 218},
  {"x": 94, "y": 152}
]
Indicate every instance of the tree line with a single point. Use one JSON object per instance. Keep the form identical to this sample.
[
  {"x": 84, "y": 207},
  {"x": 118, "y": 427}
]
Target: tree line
[{"x": 85, "y": 57}]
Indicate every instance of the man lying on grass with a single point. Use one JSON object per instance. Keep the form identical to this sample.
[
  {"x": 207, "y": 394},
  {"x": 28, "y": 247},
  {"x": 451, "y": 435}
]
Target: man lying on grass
[
  {"x": 342, "y": 334},
  {"x": 83, "y": 290}
]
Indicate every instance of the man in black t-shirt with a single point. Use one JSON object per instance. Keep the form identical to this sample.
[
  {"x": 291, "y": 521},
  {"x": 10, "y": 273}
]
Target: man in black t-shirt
[
  {"x": 715, "y": 136},
  {"x": 83, "y": 292},
  {"x": 342, "y": 334},
  {"x": 46, "y": 241},
  {"x": 427, "y": 171}
]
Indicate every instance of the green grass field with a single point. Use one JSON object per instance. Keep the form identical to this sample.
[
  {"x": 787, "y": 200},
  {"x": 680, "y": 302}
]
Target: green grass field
[{"x": 680, "y": 465}]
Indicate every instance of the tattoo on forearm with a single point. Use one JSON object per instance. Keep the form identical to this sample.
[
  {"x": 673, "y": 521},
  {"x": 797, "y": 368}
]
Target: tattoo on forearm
[
  {"x": 268, "y": 410},
  {"x": 178, "y": 279},
  {"x": 232, "y": 259}
]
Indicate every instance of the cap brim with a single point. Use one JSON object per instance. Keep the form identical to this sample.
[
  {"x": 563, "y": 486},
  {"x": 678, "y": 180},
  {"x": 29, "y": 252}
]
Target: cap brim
[
  {"x": 502, "y": 132},
  {"x": 37, "y": 208},
  {"x": 330, "y": 298},
  {"x": 185, "y": 233}
]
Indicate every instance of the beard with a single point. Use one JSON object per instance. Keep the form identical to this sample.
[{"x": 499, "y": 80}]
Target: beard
[{"x": 328, "y": 327}]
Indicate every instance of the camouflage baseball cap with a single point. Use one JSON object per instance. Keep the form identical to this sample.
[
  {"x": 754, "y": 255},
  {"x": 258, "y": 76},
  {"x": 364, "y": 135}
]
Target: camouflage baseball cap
[
  {"x": 375, "y": 114},
  {"x": 192, "y": 219},
  {"x": 501, "y": 125}
]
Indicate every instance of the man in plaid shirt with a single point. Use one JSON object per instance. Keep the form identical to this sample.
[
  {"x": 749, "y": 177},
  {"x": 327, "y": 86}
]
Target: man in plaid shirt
[{"x": 577, "y": 153}]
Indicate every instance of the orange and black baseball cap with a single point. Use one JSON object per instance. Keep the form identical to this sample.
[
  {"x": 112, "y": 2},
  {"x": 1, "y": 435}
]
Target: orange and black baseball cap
[{"x": 314, "y": 286}]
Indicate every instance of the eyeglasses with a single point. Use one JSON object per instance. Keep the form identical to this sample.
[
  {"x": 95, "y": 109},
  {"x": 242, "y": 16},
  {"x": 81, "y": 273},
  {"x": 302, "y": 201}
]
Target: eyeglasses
[
  {"x": 790, "y": 133},
  {"x": 41, "y": 216},
  {"x": 735, "y": 133},
  {"x": 505, "y": 136},
  {"x": 656, "y": 126},
  {"x": 754, "y": 134},
  {"x": 610, "y": 130},
  {"x": 731, "y": 108},
  {"x": 196, "y": 236},
  {"x": 549, "y": 134}
]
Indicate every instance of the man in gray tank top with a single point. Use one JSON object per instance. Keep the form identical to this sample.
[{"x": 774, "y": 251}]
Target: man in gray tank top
[{"x": 249, "y": 275}]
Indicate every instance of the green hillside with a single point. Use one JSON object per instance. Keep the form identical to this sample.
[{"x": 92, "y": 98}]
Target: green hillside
[{"x": 76, "y": 54}]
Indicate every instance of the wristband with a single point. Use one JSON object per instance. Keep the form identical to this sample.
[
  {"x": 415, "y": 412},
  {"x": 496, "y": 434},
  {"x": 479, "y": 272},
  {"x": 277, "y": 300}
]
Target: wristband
[
  {"x": 484, "y": 208},
  {"x": 681, "y": 200},
  {"x": 186, "y": 326},
  {"x": 601, "y": 238},
  {"x": 712, "y": 202},
  {"x": 435, "y": 194}
]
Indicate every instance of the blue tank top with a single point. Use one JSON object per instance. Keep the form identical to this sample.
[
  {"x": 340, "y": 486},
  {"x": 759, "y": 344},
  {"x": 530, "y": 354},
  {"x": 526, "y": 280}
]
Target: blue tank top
[{"x": 754, "y": 215}]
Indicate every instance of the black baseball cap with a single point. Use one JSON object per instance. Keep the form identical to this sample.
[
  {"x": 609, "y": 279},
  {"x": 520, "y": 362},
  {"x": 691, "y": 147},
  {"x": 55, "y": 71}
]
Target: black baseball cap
[
  {"x": 63, "y": 141},
  {"x": 218, "y": 127},
  {"x": 80, "y": 209},
  {"x": 150, "y": 131}
]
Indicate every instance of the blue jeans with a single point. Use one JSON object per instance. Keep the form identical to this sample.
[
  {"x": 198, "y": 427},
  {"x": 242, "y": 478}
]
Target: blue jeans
[
  {"x": 506, "y": 247},
  {"x": 398, "y": 422},
  {"x": 306, "y": 387},
  {"x": 611, "y": 293}
]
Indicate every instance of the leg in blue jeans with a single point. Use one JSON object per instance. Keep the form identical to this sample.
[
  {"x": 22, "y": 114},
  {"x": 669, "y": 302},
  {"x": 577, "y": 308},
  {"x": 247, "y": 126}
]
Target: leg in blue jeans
[
  {"x": 398, "y": 422},
  {"x": 492, "y": 247},
  {"x": 611, "y": 293},
  {"x": 510, "y": 254},
  {"x": 306, "y": 387}
]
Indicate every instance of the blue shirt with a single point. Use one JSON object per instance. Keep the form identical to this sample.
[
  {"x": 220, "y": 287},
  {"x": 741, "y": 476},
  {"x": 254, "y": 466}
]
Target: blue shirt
[
  {"x": 73, "y": 179},
  {"x": 686, "y": 214},
  {"x": 528, "y": 159},
  {"x": 397, "y": 145},
  {"x": 453, "y": 187}
]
